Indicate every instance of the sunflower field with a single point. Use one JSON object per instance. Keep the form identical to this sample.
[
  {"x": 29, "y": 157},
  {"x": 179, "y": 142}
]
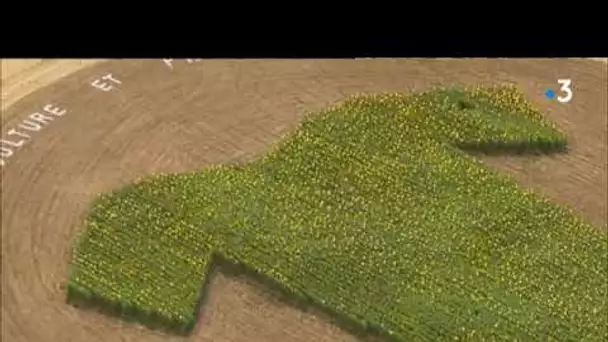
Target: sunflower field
[{"x": 374, "y": 211}]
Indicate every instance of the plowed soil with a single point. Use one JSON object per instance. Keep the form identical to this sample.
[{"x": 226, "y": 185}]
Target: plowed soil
[{"x": 215, "y": 111}]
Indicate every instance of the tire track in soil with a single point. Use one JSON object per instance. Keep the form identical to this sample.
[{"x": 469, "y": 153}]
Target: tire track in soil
[{"x": 159, "y": 118}]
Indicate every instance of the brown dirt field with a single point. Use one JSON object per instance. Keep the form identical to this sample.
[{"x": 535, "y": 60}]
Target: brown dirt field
[
  {"x": 20, "y": 77},
  {"x": 215, "y": 111}
]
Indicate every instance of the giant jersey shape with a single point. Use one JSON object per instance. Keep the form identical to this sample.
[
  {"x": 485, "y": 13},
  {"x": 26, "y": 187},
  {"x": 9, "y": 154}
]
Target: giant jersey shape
[{"x": 373, "y": 211}]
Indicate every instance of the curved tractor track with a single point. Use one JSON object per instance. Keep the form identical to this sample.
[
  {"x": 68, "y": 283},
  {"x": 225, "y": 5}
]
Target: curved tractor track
[{"x": 171, "y": 120}]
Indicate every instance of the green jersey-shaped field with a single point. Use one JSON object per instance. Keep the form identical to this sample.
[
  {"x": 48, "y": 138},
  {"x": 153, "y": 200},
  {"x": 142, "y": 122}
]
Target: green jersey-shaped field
[{"x": 373, "y": 211}]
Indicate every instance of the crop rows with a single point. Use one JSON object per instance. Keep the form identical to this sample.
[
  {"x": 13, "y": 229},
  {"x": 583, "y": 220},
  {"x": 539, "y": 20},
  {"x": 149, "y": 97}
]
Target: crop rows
[{"x": 372, "y": 211}]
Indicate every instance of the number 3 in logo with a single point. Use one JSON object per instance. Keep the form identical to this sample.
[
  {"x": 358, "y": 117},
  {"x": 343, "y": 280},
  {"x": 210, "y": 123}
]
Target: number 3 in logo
[{"x": 566, "y": 83}]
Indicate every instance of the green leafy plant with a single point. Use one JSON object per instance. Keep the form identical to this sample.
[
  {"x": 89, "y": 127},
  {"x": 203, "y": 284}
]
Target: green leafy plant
[{"x": 371, "y": 210}]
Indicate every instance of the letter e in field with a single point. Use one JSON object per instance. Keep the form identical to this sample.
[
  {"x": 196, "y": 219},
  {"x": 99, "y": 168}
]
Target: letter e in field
[
  {"x": 105, "y": 86},
  {"x": 54, "y": 110},
  {"x": 99, "y": 84}
]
